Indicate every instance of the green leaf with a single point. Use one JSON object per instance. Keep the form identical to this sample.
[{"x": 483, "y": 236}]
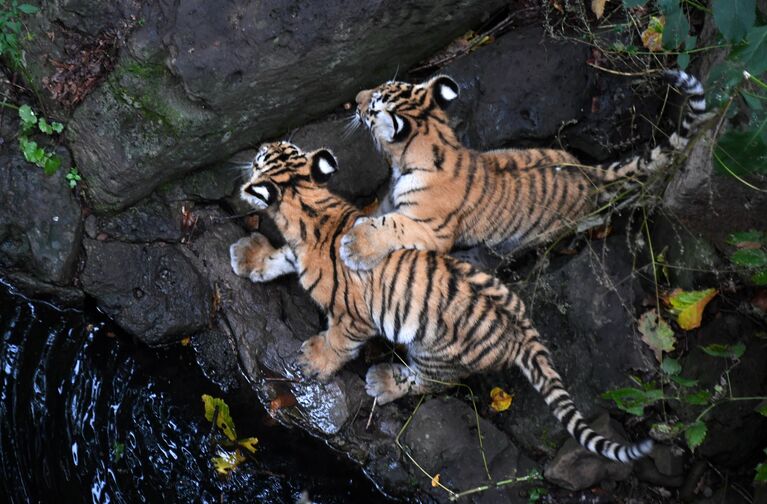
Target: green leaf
[
  {"x": 734, "y": 17},
  {"x": 28, "y": 9},
  {"x": 27, "y": 115},
  {"x": 688, "y": 306},
  {"x": 670, "y": 366},
  {"x": 754, "y": 53},
  {"x": 634, "y": 400},
  {"x": 684, "y": 58},
  {"x": 51, "y": 165},
  {"x": 227, "y": 461},
  {"x": 759, "y": 278},
  {"x": 684, "y": 382},
  {"x": 223, "y": 417},
  {"x": 727, "y": 351},
  {"x": 57, "y": 126},
  {"x": 762, "y": 408},
  {"x": 677, "y": 27},
  {"x": 633, "y": 3},
  {"x": 741, "y": 153},
  {"x": 700, "y": 397},
  {"x": 753, "y": 258},
  {"x": 249, "y": 444},
  {"x": 761, "y": 472},
  {"x": 745, "y": 236},
  {"x": 656, "y": 333},
  {"x": 695, "y": 434},
  {"x": 44, "y": 126}
]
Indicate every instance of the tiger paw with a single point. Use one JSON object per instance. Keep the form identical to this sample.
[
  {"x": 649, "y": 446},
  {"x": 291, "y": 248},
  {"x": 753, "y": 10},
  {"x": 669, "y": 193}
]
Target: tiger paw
[
  {"x": 364, "y": 245},
  {"x": 317, "y": 359},
  {"x": 387, "y": 382},
  {"x": 248, "y": 256}
]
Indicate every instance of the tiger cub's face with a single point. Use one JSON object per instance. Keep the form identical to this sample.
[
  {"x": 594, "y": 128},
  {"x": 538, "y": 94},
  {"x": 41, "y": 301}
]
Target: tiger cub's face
[
  {"x": 281, "y": 168},
  {"x": 394, "y": 111}
]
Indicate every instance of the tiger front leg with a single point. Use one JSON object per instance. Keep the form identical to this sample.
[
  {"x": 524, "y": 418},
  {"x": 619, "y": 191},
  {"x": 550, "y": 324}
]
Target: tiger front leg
[
  {"x": 324, "y": 354},
  {"x": 254, "y": 257},
  {"x": 373, "y": 238}
]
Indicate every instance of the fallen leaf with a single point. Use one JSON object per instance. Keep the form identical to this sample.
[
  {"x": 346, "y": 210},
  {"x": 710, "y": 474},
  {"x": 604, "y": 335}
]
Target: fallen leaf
[
  {"x": 188, "y": 220},
  {"x": 284, "y": 400},
  {"x": 688, "y": 306},
  {"x": 598, "y": 8},
  {"x": 435, "y": 480},
  {"x": 601, "y": 232},
  {"x": 656, "y": 333},
  {"x": 227, "y": 461},
  {"x": 558, "y": 6},
  {"x": 186, "y": 340},
  {"x": 500, "y": 399},
  {"x": 215, "y": 406},
  {"x": 249, "y": 444},
  {"x": 252, "y": 222},
  {"x": 652, "y": 37}
]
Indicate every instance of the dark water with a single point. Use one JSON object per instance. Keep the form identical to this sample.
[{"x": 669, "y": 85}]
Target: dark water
[{"x": 86, "y": 415}]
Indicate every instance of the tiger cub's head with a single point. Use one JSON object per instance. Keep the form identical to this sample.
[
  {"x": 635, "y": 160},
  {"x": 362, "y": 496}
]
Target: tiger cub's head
[
  {"x": 282, "y": 170},
  {"x": 395, "y": 111}
]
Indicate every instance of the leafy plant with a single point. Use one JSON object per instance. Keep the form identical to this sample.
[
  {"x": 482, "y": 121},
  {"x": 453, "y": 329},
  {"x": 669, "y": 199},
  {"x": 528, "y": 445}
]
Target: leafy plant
[
  {"x": 11, "y": 29},
  {"x": 73, "y": 177},
  {"x": 229, "y": 455},
  {"x": 34, "y": 153},
  {"x": 751, "y": 254}
]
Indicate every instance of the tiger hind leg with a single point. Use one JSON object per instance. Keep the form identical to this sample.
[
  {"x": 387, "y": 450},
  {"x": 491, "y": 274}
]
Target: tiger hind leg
[{"x": 389, "y": 382}]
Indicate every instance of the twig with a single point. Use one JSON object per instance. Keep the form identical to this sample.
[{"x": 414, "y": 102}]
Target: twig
[
  {"x": 533, "y": 476},
  {"x": 624, "y": 74},
  {"x": 370, "y": 418}
]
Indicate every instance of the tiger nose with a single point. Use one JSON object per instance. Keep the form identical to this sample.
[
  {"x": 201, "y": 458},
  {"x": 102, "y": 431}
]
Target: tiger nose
[{"x": 363, "y": 97}]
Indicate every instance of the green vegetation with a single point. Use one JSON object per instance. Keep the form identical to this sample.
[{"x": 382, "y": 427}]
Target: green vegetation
[
  {"x": 11, "y": 30},
  {"x": 751, "y": 254},
  {"x": 34, "y": 153}
]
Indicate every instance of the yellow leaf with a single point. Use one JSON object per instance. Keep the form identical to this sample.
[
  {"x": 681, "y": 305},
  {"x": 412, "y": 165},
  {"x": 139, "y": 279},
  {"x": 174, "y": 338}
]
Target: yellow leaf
[
  {"x": 227, "y": 461},
  {"x": 652, "y": 37},
  {"x": 223, "y": 418},
  {"x": 501, "y": 400},
  {"x": 185, "y": 341},
  {"x": 435, "y": 480},
  {"x": 598, "y": 7},
  {"x": 249, "y": 444},
  {"x": 688, "y": 306}
]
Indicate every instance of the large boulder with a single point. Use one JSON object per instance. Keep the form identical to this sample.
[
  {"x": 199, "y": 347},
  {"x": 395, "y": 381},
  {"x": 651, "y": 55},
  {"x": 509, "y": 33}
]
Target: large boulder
[{"x": 197, "y": 81}]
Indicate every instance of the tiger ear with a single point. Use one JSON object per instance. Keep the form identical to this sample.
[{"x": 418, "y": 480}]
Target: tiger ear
[
  {"x": 261, "y": 194},
  {"x": 324, "y": 165},
  {"x": 444, "y": 90}
]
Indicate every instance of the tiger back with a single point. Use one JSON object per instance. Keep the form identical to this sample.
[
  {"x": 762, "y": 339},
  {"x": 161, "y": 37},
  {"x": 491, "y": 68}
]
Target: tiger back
[
  {"x": 453, "y": 319},
  {"x": 443, "y": 194}
]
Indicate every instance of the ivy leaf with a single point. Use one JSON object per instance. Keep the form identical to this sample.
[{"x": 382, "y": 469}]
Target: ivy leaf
[
  {"x": 249, "y": 444},
  {"x": 688, "y": 306},
  {"x": 501, "y": 401},
  {"x": 677, "y": 27},
  {"x": 727, "y": 351},
  {"x": 633, "y": 400},
  {"x": 684, "y": 382},
  {"x": 44, "y": 126},
  {"x": 695, "y": 434},
  {"x": 57, "y": 126},
  {"x": 27, "y": 115},
  {"x": 751, "y": 236},
  {"x": 227, "y": 461},
  {"x": 670, "y": 366},
  {"x": 51, "y": 165},
  {"x": 223, "y": 418},
  {"x": 699, "y": 398},
  {"x": 753, "y": 258},
  {"x": 762, "y": 408},
  {"x": 759, "y": 278},
  {"x": 28, "y": 9},
  {"x": 741, "y": 152},
  {"x": 656, "y": 333},
  {"x": 734, "y": 18}
]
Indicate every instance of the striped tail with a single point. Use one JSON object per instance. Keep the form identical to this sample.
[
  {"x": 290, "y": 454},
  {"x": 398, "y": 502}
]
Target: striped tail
[
  {"x": 536, "y": 365},
  {"x": 660, "y": 156}
]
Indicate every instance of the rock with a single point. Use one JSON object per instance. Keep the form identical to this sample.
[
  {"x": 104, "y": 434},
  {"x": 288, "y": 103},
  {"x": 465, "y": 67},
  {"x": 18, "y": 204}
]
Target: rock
[
  {"x": 647, "y": 471},
  {"x": 442, "y": 438},
  {"x": 698, "y": 196},
  {"x": 669, "y": 460},
  {"x": 151, "y": 290},
  {"x": 576, "y": 468},
  {"x": 40, "y": 220},
  {"x": 196, "y": 82},
  {"x": 29, "y": 285},
  {"x": 681, "y": 246}
]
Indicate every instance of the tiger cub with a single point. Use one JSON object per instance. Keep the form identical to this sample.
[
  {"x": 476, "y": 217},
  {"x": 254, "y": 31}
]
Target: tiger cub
[
  {"x": 443, "y": 194},
  {"x": 454, "y": 320}
]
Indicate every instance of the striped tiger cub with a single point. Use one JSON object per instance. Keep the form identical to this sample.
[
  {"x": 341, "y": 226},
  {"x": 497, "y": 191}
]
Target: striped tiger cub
[
  {"x": 443, "y": 194},
  {"x": 454, "y": 319}
]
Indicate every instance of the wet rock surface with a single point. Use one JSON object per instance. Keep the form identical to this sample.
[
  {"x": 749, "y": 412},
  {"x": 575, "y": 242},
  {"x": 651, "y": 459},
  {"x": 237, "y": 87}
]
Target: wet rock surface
[{"x": 160, "y": 266}]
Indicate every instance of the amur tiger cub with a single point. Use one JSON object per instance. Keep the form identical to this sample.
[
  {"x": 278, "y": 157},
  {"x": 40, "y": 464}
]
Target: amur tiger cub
[
  {"x": 454, "y": 320},
  {"x": 443, "y": 194}
]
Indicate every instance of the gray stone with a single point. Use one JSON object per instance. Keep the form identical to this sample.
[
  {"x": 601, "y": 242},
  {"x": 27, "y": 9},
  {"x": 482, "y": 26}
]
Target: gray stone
[
  {"x": 150, "y": 290},
  {"x": 198, "y": 81},
  {"x": 576, "y": 468},
  {"x": 40, "y": 220}
]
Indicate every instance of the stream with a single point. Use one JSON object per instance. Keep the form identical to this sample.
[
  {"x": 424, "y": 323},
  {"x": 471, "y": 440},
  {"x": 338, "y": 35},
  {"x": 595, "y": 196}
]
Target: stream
[{"x": 87, "y": 415}]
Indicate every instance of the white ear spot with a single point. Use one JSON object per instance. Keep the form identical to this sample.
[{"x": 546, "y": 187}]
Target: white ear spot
[
  {"x": 325, "y": 167},
  {"x": 263, "y": 192},
  {"x": 447, "y": 93}
]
